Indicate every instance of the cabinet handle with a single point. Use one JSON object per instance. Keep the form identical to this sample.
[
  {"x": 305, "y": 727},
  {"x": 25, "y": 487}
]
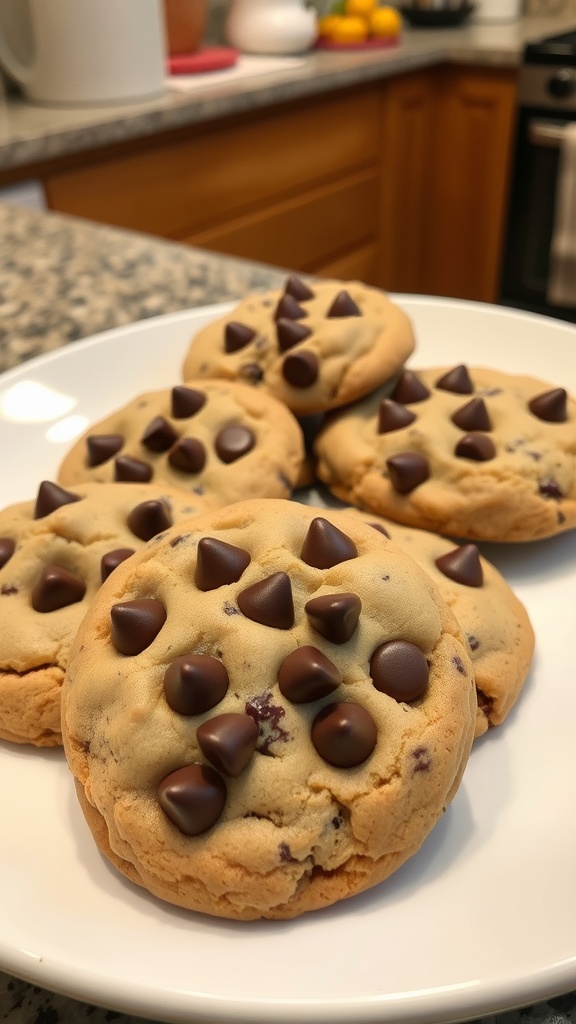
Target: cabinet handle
[{"x": 548, "y": 134}]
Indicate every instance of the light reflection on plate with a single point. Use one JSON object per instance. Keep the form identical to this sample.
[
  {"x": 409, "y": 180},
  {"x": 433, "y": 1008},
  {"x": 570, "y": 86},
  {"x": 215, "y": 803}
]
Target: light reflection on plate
[{"x": 480, "y": 920}]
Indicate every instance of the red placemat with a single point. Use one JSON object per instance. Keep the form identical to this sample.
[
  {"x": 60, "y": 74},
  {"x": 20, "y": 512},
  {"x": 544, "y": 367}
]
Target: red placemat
[
  {"x": 367, "y": 44},
  {"x": 209, "y": 58}
]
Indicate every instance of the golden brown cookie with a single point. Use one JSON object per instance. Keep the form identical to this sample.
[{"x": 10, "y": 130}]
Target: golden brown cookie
[
  {"x": 494, "y": 621},
  {"x": 220, "y": 440},
  {"x": 472, "y": 453},
  {"x": 55, "y": 552},
  {"x": 314, "y": 346},
  {"x": 267, "y": 711}
]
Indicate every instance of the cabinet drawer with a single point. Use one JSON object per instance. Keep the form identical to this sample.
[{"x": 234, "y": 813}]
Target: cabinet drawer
[
  {"x": 301, "y": 233},
  {"x": 202, "y": 179}
]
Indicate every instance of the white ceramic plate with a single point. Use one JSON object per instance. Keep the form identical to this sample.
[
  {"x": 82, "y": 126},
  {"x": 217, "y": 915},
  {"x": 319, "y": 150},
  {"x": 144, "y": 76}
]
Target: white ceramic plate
[{"x": 480, "y": 920}]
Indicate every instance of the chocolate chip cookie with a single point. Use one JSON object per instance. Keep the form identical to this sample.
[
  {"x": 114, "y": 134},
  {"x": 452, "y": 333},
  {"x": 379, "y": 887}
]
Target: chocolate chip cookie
[
  {"x": 315, "y": 347},
  {"x": 55, "y": 551},
  {"x": 495, "y": 623},
  {"x": 221, "y": 440},
  {"x": 470, "y": 453},
  {"x": 267, "y": 711}
]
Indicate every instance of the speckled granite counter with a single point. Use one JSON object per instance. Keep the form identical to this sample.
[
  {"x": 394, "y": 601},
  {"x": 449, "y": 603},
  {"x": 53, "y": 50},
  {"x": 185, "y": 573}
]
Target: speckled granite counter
[
  {"x": 60, "y": 280},
  {"x": 31, "y": 133}
]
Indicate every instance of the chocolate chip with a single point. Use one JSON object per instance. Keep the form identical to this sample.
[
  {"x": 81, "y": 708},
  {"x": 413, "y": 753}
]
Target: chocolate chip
[
  {"x": 112, "y": 559},
  {"x": 195, "y": 683},
  {"x": 159, "y": 435},
  {"x": 400, "y": 670},
  {"x": 409, "y": 389},
  {"x": 56, "y": 588},
  {"x": 407, "y": 470},
  {"x": 251, "y": 372},
  {"x": 237, "y": 336},
  {"x": 285, "y": 854},
  {"x": 288, "y": 308},
  {"x": 130, "y": 470},
  {"x": 325, "y": 545},
  {"x": 50, "y": 497},
  {"x": 462, "y": 565},
  {"x": 135, "y": 624},
  {"x": 193, "y": 798},
  {"x": 380, "y": 528},
  {"x": 551, "y": 406},
  {"x": 218, "y": 563},
  {"x": 393, "y": 416},
  {"x": 549, "y": 488},
  {"x": 7, "y": 547},
  {"x": 269, "y": 601},
  {"x": 344, "y": 734},
  {"x": 297, "y": 288},
  {"x": 478, "y": 447},
  {"x": 306, "y": 675},
  {"x": 233, "y": 442},
  {"x": 343, "y": 305},
  {"x": 300, "y": 369},
  {"x": 267, "y": 716},
  {"x": 457, "y": 380},
  {"x": 422, "y": 759},
  {"x": 228, "y": 741},
  {"x": 334, "y": 616},
  {"x": 149, "y": 518},
  {"x": 472, "y": 416},
  {"x": 188, "y": 455},
  {"x": 102, "y": 447},
  {"x": 186, "y": 402},
  {"x": 290, "y": 333},
  {"x": 459, "y": 665}
]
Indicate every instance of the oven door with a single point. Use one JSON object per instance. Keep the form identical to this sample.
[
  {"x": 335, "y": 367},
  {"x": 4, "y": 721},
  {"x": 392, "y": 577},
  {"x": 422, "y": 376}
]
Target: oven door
[{"x": 526, "y": 261}]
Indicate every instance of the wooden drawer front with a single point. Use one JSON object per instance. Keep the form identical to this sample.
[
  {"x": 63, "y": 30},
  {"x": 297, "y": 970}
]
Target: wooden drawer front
[
  {"x": 188, "y": 185},
  {"x": 359, "y": 264},
  {"x": 300, "y": 233}
]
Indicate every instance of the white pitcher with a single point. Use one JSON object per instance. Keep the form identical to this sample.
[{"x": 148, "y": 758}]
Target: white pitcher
[
  {"x": 271, "y": 26},
  {"x": 87, "y": 52}
]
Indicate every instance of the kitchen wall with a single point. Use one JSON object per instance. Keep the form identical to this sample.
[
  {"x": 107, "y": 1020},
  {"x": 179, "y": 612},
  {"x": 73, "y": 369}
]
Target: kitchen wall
[{"x": 550, "y": 6}]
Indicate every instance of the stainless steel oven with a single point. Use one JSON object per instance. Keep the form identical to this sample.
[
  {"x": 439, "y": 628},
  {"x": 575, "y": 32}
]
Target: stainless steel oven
[{"x": 546, "y": 106}]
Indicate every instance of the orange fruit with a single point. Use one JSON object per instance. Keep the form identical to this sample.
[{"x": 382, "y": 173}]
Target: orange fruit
[
  {"x": 360, "y": 8},
  {"x": 385, "y": 23},
  {"x": 348, "y": 29}
]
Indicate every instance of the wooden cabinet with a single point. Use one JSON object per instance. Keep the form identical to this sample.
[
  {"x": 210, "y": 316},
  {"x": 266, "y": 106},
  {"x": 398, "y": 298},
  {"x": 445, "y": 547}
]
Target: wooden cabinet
[{"x": 401, "y": 183}]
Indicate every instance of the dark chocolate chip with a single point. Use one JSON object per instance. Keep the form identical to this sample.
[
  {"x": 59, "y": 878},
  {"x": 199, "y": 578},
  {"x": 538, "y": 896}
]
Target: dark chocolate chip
[
  {"x": 409, "y": 389},
  {"x": 159, "y": 435},
  {"x": 380, "y": 528},
  {"x": 251, "y": 372},
  {"x": 237, "y": 336},
  {"x": 393, "y": 416},
  {"x": 188, "y": 455},
  {"x": 102, "y": 447},
  {"x": 186, "y": 402},
  {"x": 334, "y": 616},
  {"x": 56, "y": 588},
  {"x": 550, "y": 488},
  {"x": 7, "y": 547},
  {"x": 462, "y": 565},
  {"x": 233, "y": 442},
  {"x": 228, "y": 741},
  {"x": 50, "y": 497},
  {"x": 267, "y": 716},
  {"x": 407, "y": 470},
  {"x": 422, "y": 760},
  {"x": 288, "y": 308},
  {"x": 306, "y": 675},
  {"x": 478, "y": 447},
  {"x": 193, "y": 798},
  {"x": 195, "y": 683},
  {"x": 343, "y": 305},
  {"x": 457, "y": 380},
  {"x": 400, "y": 670},
  {"x": 297, "y": 288},
  {"x": 290, "y": 333},
  {"x": 551, "y": 406},
  {"x": 130, "y": 470},
  {"x": 472, "y": 416},
  {"x": 269, "y": 601},
  {"x": 218, "y": 563},
  {"x": 149, "y": 518},
  {"x": 344, "y": 734},
  {"x": 300, "y": 369},
  {"x": 325, "y": 545},
  {"x": 112, "y": 559},
  {"x": 135, "y": 624}
]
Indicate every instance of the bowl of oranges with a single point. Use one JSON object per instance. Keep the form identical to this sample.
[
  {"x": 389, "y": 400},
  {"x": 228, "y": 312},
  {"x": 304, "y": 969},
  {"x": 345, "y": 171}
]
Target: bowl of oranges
[{"x": 359, "y": 24}]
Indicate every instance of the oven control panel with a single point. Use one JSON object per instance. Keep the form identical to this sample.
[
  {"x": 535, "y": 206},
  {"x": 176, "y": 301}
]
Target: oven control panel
[{"x": 553, "y": 88}]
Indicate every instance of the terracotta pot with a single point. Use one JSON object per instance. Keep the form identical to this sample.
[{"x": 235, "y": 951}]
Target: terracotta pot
[{"x": 185, "y": 24}]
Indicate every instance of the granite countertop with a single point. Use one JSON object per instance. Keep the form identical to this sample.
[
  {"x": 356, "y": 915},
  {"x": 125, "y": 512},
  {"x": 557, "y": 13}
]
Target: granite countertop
[
  {"x": 62, "y": 279},
  {"x": 30, "y": 133}
]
